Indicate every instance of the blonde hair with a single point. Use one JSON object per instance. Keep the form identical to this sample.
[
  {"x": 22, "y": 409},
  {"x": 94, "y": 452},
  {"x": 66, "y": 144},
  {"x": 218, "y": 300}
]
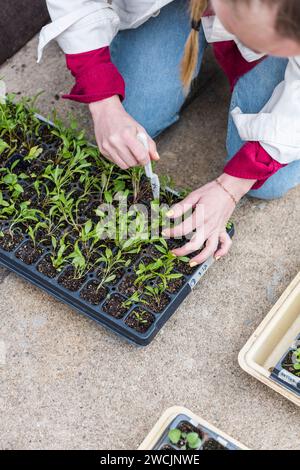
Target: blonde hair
[
  {"x": 287, "y": 24},
  {"x": 191, "y": 51}
]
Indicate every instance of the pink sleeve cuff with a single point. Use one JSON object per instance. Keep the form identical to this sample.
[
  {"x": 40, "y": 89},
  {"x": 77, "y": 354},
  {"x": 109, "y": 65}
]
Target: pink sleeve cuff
[
  {"x": 96, "y": 76},
  {"x": 232, "y": 62},
  {"x": 254, "y": 163}
]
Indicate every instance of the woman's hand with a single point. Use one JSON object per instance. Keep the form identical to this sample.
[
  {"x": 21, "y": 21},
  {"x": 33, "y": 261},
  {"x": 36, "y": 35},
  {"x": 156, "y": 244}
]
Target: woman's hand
[
  {"x": 116, "y": 131},
  {"x": 212, "y": 207}
]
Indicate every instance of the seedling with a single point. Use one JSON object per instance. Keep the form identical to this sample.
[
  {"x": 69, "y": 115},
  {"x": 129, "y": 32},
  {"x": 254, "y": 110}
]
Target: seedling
[
  {"x": 59, "y": 258},
  {"x": 33, "y": 153},
  {"x": 79, "y": 261},
  {"x": 136, "y": 298},
  {"x": 112, "y": 263},
  {"x": 140, "y": 316},
  {"x": 294, "y": 363},
  {"x": 184, "y": 441}
]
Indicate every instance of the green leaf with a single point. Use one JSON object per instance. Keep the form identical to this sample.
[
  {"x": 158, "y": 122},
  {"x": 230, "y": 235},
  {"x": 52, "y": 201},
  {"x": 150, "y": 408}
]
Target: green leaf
[
  {"x": 10, "y": 178},
  {"x": 34, "y": 153},
  {"x": 174, "y": 436},
  {"x": 88, "y": 226},
  {"x": 18, "y": 188},
  {"x": 99, "y": 212},
  {"x": 160, "y": 249},
  {"x": 185, "y": 259},
  {"x": 297, "y": 366},
  {"x": 110, "y": 278},
  {"x": 175, "y": 276},
  {"x": 108, "y": 197},
  {"x": 4, "y": 203},
  {"x": 193, "y": 440},
  {"x": 3, "y": 146},
  {"x": 54, "y": 242}
]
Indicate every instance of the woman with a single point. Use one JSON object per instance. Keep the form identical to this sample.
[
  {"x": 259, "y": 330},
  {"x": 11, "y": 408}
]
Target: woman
[{"x": 140, "y": 43}]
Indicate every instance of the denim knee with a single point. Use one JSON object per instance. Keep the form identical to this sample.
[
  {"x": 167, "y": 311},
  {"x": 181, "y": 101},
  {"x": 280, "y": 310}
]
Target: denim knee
[{"x": 280, "y": 183}]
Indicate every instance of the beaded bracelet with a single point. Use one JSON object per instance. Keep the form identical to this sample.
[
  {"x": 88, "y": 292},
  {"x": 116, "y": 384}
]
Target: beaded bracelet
[{"x": 226, "y": 191}]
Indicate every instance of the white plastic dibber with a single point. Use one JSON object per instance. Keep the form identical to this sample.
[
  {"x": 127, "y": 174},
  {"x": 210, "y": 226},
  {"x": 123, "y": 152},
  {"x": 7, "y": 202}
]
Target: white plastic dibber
[{"x": 154, "y": 179}]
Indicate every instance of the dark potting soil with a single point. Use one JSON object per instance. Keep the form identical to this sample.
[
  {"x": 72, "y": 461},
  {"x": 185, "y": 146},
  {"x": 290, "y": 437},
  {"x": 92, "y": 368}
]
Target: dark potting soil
[
  {"x": 131, "y": 256},
  {"x": 28, "y": 194},
  {"x": 114, "y": 306},
  {"x": 211, "y": 444},
  {"x": 36, "y": 167},
  {"x": 185, "y": 268},
  {"x": 186, "y": 427},
  {"x": 20, "y": 166},
  {"x": 28, "y": 253},
  {"x": 146, "y": 260},
  {"x": 46, "y": 267},
  {"x": 44, "y": 238},
  {"x": 140, "y": 320},
  {"x": 69, "y": 281},
  {"x": 166, "y": 447},
  {"x": 157, "y": 306},
  {"x": 127, "y": 285},
  {"x": 174, "y": 243},
  {"x": 175, "y": 285},
  {"x": 153, "y": 251},
  {"x": 93, "y": 293},
  {"x": 145, "y": 193},
  {"x": 10, "y": 241}
]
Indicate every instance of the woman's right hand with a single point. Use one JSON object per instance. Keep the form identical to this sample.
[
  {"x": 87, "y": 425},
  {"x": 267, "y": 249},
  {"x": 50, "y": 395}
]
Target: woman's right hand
[{"x": 116, "y": 134}]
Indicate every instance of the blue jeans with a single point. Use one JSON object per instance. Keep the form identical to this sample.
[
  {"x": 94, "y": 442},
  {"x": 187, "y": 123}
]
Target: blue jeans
[{"x": 149, "y": 59}]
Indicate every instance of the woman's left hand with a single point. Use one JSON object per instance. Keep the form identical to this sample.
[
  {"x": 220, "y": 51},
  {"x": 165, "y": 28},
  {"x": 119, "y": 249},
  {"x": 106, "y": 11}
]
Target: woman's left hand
[{"x": 212, "y": 208}]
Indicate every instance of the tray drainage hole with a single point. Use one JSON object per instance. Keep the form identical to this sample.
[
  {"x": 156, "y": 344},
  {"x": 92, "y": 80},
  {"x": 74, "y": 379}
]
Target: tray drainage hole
[
  {"x": 91, "y": 275},
  {"x": 145, "y": 252},
  {"x": 113, "y": 289},
  {"x": 129, "y": 270}
]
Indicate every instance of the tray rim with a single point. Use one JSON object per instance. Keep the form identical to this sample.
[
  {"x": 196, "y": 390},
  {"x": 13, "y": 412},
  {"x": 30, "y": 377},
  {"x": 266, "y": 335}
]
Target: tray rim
[
  {"x": 167, "y": 417},
  {"x": 251, "y": 367}
]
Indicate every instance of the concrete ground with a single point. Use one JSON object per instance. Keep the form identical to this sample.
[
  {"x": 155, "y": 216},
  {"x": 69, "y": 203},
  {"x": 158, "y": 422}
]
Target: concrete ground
[{"x": 68, "y": 384}]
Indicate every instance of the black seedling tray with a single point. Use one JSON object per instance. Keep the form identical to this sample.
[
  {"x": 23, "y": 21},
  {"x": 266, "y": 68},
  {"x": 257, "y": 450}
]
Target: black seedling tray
[
  {"x": 74, "y": 300},
  {"x": 10, "y": 258},
  {"x": 210, "y": 440},
  {"x": 285, "y": 377}
]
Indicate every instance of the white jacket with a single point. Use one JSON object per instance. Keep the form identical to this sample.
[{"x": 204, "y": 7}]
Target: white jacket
[{"x": 84, "y": 25}]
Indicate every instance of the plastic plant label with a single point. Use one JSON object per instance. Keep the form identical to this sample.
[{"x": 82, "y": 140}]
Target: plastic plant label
[
  {"x": 285, "y": 373},
  {"x": 289, "y": 378},
  {"x": 201, "y": 271}
]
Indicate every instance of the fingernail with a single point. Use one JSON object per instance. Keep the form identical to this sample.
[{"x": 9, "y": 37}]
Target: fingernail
[
  {"x": 156, "y": 156},
  {"x": 170, "y": 213},
  {"x": 193, "y": 264},
  {"x": 217, "y": 258}
]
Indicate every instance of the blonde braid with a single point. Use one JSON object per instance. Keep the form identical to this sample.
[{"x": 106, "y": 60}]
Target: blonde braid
[{"x": 190, "y": 57}]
